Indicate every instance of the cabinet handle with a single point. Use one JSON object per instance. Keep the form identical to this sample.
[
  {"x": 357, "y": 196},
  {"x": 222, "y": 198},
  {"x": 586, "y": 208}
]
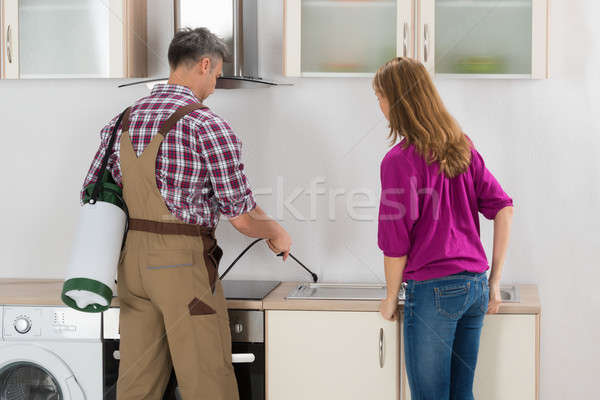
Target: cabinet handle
[
  {"x": 380, "y": 347},
  {"x": 405, "y": 40},
  {"x": 9, "y": 44},
  {"x": 425, "y": 43}
]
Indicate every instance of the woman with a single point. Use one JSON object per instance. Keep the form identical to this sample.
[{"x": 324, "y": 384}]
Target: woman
[{"x": 434, "y": 184}]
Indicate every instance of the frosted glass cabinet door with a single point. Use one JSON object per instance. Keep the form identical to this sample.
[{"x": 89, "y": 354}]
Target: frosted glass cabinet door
[
  {"x": 502, "y": 38},
  {"x": 65, "y": 37},
  {"x": 345, "y": 37},
  {"x": 68, "y": 38}
]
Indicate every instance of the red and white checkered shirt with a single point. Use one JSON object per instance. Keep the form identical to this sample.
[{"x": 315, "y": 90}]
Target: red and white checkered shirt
[{"x": 198, "y": 168}]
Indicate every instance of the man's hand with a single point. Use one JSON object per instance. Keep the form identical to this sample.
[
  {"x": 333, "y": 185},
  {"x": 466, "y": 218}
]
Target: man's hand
[
  {"x": 257, "y": 224},
  {"x": 281, "y": 244}
]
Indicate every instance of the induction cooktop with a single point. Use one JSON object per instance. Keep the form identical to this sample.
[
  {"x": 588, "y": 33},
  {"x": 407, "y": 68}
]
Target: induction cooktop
[{"x": 248, "y": 289}]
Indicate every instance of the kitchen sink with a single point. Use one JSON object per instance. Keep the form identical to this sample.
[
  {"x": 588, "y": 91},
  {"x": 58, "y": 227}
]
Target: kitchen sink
[
  {"x": 341, "y": 291},
  {"x": 510, "y": 294},
  {"x": 369, "y": 291}
]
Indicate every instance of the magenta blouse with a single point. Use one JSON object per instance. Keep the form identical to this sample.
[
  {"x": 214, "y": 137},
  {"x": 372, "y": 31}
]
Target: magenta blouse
[{"x": 433, "y": 219}]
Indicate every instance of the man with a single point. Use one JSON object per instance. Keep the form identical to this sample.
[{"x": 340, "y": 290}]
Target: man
[{"x": 179, "y": 167}]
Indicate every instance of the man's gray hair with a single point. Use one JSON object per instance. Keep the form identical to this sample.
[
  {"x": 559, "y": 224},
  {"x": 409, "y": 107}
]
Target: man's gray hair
[{"x": 190, "y": 45}]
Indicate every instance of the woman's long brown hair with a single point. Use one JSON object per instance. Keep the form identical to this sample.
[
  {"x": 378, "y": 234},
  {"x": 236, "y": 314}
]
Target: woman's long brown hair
[{"x": 418, "y": 114}]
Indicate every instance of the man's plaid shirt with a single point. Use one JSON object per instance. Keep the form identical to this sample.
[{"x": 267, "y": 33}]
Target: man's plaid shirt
[{"x": 198, "y": 168}]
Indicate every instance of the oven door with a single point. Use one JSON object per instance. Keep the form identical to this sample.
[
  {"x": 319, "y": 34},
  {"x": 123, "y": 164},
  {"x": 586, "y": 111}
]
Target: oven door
[
  {"x": 249, "y": 366},
  {"x": 248, "y": 363},
  {"x": 110, "y": 361},
  {"x": 248, "y": 355}
]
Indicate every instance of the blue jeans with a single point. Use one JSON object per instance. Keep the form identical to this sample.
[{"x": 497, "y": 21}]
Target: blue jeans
[{"x": 442, "y": 325}]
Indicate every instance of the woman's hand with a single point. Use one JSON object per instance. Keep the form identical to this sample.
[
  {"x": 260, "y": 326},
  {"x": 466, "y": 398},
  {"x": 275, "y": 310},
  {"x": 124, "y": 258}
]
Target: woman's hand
[
  {"x": 495, "y": 298},
  {"x": 389, "y": 308}
]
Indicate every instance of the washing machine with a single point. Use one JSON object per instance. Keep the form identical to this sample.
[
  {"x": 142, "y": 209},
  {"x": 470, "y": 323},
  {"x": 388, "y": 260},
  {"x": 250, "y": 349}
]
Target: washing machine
[{"x": 50, "y": 353}]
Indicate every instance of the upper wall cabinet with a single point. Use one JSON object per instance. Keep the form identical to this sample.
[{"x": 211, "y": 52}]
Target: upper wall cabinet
[
  {"x": 454, "y": 38},
  {"x": 73, "y": 38},
  {"x": 485, "y": 38},
  {"x": 344, "y": 38}
]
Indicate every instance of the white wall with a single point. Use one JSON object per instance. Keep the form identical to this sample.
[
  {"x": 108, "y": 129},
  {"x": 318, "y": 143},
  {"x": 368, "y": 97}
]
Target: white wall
[{"x": 540, "y": 138}]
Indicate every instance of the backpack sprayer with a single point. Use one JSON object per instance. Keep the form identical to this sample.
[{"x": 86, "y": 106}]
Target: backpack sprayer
[{"x": 100, "y": 237}]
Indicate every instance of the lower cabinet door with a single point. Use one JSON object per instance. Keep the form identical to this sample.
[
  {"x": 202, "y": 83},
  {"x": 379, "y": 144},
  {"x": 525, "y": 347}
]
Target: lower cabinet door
[
  {"x": 331, "y": 355},
  {"x": 507, "y": 361}
]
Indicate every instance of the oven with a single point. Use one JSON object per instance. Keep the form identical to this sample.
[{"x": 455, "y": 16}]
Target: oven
[
  {"x": 111, "y": 356},
  {"x": 248, "y": 348},
  {"x": 248, "y": 344},
  {"x": 248, "y": 355}
]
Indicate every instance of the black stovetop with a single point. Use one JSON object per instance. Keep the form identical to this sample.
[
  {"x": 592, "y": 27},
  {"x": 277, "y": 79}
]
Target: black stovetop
[{"x": 247, "y": 290}]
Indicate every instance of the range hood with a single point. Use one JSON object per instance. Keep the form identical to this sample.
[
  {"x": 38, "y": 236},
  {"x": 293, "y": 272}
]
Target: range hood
[{"x": 236, "y": 22}]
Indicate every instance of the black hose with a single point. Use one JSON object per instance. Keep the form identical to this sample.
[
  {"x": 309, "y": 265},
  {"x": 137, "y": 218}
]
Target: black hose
[{"x": 314, "y": 276}]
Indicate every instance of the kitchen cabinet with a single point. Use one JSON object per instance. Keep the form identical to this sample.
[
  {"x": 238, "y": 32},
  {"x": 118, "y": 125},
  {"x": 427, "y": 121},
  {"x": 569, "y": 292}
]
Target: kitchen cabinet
[
  {"x": 452, "y": 38},
  {"x": 344, "y": 38},
  {"x": 325, "y": 355},
  {"x": 485, "y": 38},
  {"x": 508, "y": 360},
  {"x": 73, "y": 38}
]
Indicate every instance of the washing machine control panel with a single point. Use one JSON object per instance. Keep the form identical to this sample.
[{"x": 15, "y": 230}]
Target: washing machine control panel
[
  {"x": 22, "y": 324},
  {"x": 52, "y": 323}
]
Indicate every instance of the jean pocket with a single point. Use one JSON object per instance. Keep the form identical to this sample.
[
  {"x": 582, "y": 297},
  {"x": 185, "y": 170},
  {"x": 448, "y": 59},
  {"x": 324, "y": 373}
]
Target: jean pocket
[
  {"x": 451, "y": 299},
  {"x": 485, "y": 295},
  {"x": 408, "y": 301}
]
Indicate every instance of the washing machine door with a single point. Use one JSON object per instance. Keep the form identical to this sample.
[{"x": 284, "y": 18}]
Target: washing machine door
[{"x": 30, "y": 372}]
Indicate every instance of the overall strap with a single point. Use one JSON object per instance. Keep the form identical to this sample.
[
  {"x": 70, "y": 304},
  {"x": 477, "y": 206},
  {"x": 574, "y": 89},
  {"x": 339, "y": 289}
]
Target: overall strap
[
  {"x": 181, "y": 112},
  {"x": 125, "y": 123}
]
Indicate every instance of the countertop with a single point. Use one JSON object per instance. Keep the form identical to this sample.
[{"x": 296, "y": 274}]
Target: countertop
[{"x": 46, "y": 292}]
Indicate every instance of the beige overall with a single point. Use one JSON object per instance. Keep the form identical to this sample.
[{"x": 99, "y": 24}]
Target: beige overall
[{"x": 173, "y": 312}]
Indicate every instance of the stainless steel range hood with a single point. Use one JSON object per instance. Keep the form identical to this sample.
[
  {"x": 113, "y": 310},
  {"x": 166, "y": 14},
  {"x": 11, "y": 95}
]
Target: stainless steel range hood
[{"x": 235, "y": 21}]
